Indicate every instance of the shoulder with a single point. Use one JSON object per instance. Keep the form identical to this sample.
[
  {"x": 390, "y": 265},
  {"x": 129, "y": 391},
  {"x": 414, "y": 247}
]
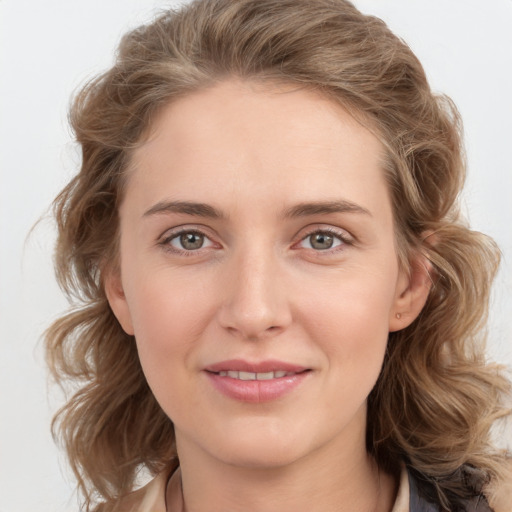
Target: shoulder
[
  {"x": 501, "y": 492},
  {"x": 150, "y": 498}
]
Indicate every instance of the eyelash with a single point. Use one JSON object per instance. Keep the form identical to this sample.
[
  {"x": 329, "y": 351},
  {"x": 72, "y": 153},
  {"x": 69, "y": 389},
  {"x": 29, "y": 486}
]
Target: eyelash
[
  {"x": 342, "y": 236},
  {"x": 165, "y": 243}
]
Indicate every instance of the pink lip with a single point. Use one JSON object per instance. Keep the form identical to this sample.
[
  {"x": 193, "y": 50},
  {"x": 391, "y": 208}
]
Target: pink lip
[
  {"x": 239, "y": 365},
  {"x": 256, "y": 391}
]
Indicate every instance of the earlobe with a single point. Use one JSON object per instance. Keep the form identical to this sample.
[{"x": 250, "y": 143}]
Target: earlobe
[
  {"x": 117, "y": 300},
  {"x": 412, "y": 293}
]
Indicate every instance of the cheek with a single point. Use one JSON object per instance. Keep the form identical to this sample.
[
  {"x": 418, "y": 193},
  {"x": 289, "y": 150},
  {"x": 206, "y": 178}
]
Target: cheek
[
  {"x": 350, "y": 320},
  {"x": 166, "y": 308},
  {"x": 168, "y": 319}
]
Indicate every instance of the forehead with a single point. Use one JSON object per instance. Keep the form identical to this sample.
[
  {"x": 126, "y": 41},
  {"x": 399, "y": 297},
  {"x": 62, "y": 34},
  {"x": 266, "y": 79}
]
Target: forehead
[
  {"x": 259, "y": 140},
  {"x": 299, "y": 115}
]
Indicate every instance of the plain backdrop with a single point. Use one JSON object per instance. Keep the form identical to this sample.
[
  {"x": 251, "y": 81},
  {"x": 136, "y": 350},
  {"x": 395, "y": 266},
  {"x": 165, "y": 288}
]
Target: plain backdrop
[{"x": 47, "y": 49}]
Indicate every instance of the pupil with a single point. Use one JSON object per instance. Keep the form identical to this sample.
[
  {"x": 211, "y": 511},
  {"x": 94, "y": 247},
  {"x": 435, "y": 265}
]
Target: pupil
[
  {"x": 321, "y": 241},
  {"x": 191, "y": 241}
]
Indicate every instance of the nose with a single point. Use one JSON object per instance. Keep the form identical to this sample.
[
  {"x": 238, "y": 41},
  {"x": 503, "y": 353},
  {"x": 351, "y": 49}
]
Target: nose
[{"x": 255, "y": 303}]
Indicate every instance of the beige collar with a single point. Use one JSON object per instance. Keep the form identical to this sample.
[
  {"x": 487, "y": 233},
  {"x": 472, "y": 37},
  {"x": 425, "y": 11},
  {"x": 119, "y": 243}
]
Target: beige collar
[{"x": 151, "y": 498}]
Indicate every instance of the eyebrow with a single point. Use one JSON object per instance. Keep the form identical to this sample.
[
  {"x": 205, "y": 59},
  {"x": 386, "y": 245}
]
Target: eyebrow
[
  {"x": 325, "y": 207},
  {"x": 186, "y": 207},
  {"x": 299, "y": 210}
]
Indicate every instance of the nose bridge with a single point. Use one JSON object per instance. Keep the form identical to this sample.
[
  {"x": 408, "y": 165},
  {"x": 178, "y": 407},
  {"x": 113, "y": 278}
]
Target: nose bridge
[{"x": 256, "y": 303}]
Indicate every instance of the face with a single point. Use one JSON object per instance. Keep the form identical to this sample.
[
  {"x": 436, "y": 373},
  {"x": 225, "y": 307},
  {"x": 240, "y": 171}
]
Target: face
[{"x": 258, "y": 272}]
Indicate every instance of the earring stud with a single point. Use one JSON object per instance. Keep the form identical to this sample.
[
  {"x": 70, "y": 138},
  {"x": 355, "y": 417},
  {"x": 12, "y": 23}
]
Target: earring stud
[{"x": 399, "y": 315}]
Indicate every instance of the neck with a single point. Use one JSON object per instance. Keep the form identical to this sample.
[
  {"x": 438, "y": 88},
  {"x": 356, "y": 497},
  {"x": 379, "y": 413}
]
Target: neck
[{"x": 320, "y": 482}]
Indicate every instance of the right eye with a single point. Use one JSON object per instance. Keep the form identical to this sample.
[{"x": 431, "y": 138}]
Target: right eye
[
  {"x": 188, "y": 241},
  {"x": 322, "y": 241}
]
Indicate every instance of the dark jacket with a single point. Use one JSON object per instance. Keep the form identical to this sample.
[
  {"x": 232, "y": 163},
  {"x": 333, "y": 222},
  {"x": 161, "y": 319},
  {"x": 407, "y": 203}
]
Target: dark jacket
[{"x": 419, "y": 501}]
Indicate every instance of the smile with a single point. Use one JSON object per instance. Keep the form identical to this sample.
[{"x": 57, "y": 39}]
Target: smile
[
  {"x": 256, "y": 382},
  {"x": 233, "y": 374}
]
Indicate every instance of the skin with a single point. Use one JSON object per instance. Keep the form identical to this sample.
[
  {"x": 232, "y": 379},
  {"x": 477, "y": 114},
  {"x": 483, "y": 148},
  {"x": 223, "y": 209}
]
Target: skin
[{"x": 259, "y": 288}]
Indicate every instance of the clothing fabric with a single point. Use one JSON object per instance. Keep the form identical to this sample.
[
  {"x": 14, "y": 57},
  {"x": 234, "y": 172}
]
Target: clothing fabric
[
  {"x": 151, "y": 498},
  {"x": 418, "y": 504}
]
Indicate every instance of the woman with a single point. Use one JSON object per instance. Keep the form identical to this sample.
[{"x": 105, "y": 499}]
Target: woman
[{"x": 279, "y": 305}]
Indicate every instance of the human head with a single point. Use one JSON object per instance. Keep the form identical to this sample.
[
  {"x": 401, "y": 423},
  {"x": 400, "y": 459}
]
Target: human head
[{"x": 353, "y": 60}]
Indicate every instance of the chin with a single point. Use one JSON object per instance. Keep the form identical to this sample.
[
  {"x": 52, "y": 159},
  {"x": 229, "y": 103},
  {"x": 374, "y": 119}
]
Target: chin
[
  {"x": 262, "y": 448},
  {"x": 267, "y": 457}
]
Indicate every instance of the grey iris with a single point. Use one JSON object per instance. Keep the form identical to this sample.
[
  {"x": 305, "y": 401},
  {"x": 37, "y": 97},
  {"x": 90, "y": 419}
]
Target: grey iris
[
  {"x": 321, "y": 241},
  {"x": 191, "y": 241}
]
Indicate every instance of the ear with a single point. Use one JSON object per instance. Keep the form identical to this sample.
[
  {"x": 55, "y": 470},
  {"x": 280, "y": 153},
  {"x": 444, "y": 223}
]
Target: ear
[
  {"x": 117, "y": 300},
  {"x": 413, "y": 288}
]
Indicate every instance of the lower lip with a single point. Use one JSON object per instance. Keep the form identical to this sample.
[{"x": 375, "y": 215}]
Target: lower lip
[{"x": 256, "y": 391}]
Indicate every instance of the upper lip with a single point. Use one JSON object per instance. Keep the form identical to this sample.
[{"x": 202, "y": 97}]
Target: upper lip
[{"x": 269, "y": 365}]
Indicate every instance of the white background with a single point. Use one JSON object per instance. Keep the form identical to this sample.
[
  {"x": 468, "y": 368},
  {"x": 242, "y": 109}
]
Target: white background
[{"x": 47, "y": 48}]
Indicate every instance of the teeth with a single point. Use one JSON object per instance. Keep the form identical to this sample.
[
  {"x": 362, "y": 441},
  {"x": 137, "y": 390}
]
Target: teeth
[
  {"x": 255, "y": 376},
  {"x": 246, "y": 376},
  {"x": 265, "y": 376}
]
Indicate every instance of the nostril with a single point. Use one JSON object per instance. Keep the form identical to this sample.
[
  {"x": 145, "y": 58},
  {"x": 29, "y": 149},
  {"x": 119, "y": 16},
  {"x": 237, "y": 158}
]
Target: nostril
[{"x": 253, "y": 322}]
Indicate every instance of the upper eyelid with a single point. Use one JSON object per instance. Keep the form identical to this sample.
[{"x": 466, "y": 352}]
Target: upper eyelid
[
  {"x": 170, "y": 233},
  {"x": 343, "y": 234}
]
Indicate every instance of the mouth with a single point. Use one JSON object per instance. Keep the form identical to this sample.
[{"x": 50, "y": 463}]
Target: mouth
[
  {"x": 256, "y": 382},
  {"x": 233, "y": 374},
  {"x": 246, "y": 370}
]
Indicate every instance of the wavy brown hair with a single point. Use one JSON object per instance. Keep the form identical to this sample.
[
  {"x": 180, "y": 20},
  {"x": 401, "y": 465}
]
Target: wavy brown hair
[{"x": 436, "y": 398}]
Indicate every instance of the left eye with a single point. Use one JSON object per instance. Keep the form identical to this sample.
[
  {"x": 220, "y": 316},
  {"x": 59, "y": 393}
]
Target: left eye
[
  {"x": 321, "y": 241},
  {"x": 190, "y": 241}
]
